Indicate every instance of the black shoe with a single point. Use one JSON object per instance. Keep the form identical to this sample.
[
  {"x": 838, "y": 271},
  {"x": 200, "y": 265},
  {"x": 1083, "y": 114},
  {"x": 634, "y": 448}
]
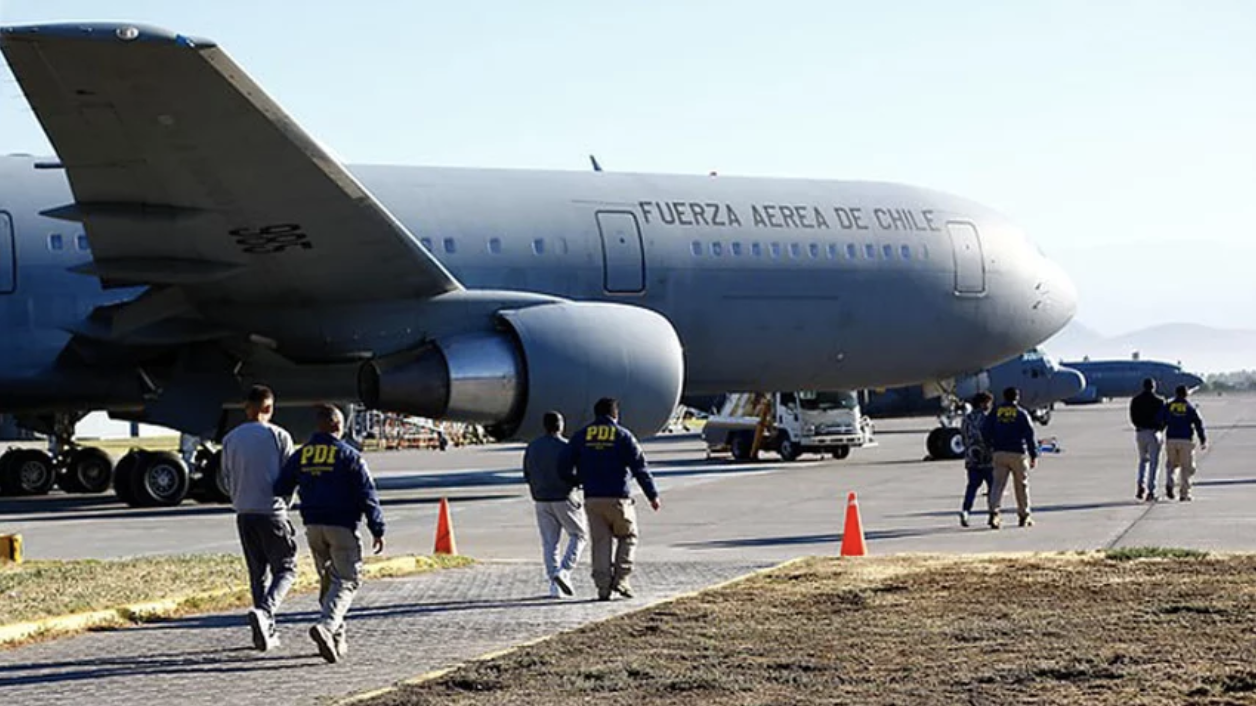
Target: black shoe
[
  {"x": 1026, "y": 521},
  {"x": 603, "y": 596},
  {"x": 1168, "y": 492},
  {"x": 995, "y": 521},
  {"x": 963, "y": 518},
  {"x": 1141, "y": 493},
  {"x": 326, "y": 643}
]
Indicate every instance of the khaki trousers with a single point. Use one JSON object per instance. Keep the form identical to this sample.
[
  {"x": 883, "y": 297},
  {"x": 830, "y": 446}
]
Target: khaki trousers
[
  {"x": 612, "y": 521},
  {"x": 1017, "y": 466},
  {"x": 1180, "y": 453},
  {"x": 338, "y": 557}
]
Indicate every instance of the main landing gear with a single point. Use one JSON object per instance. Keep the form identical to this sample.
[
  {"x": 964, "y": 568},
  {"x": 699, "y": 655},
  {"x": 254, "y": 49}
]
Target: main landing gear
[
  {"x": 141, "y": 478},
  {"x": 74, "y": 468}
]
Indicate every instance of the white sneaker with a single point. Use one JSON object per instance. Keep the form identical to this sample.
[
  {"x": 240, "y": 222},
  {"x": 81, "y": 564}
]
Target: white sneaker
[
  {"x": 554, "y": 591},
  {"x": 563, "y": 580},
  {"x": 257, "y": 623}
]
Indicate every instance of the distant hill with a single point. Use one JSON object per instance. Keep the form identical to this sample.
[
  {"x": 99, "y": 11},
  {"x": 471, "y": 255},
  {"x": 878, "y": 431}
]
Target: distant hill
[{"x": 1200, "y": 349}]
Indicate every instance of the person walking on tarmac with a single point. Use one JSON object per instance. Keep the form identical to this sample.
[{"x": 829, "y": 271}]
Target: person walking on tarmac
[
  {"x": 977, "y": 459},
  {"x": 1182, "y": 422},
  {"x": 557, "y": 505},
  {"x": 252, "y": 456},
  {"x": 1015, "y": 450},
  {"x": 605, "y": 455},
  {"x": 1146, "y": 409},
  {"x": 336, "y": 490}
]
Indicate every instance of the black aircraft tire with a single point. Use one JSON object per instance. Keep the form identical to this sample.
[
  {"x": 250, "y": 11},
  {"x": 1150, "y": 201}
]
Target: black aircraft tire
[
  {"x": 160, "y": 480},
  {"x": 5, "y": 488},
  {"x": 122, "y": 477},
  {"x": 210, "y": 487},
  {"x": 931, "y": 444},
  {"x": 90, "y": 471},
  {"x": 952, "y": 443},
  {"x": 28, "y": 472}
]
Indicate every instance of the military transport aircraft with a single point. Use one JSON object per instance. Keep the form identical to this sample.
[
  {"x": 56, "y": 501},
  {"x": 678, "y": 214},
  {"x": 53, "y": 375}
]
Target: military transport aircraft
[
  {"x": 1108, "y": 379},
  {"x": 189, "y": 239}
]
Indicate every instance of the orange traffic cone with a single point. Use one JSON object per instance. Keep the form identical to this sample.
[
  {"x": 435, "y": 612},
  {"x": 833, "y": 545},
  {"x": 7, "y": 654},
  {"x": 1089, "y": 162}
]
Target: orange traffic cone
[
  {"x": 853, "y": 537},
  {"x": 445, "y": 531}
]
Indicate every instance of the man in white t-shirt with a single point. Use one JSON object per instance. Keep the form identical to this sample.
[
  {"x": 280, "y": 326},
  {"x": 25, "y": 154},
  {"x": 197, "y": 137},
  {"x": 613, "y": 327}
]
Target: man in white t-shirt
[{"x": 252, "y": 456}]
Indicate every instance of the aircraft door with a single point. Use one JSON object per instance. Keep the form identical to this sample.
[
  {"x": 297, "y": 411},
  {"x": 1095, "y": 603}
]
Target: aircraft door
[
  {"x": 8, "y": 255},
  {"x": 970, "y": 263},
  {"x": 623, "y": 255}
]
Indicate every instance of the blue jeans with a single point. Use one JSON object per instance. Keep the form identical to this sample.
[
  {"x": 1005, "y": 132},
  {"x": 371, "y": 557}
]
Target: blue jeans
[{"x": 977, "y": 476}]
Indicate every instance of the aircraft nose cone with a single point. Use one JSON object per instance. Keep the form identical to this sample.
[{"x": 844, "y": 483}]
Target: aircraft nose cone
[
  {"x": 1191, "y": 380},
  {"x": 1057, "y": 296},
  {"x": 1066, "y": 383}
]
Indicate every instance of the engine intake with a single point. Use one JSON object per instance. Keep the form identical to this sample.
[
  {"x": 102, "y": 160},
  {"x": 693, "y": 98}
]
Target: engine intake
[{"x": 561, "y": 356}]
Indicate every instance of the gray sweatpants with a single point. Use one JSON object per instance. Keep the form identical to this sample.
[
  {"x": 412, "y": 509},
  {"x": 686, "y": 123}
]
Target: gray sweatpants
[
  {"x": 270, "y": 552},
  {"x": 1148, "y": 442},
  {"x": 551, "y": 519},
  {"x": 337, "y": 555}
]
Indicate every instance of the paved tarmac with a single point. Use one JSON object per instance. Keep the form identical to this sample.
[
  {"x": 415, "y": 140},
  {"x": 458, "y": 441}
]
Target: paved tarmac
[
  {"x": 719, "y": 520},
  {"x": 761, "y": 512}
]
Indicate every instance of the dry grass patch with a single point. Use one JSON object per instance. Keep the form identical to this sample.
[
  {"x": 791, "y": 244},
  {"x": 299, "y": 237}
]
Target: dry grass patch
[
  {"x": 1166, "y": 629},
  {"x": 41, "y": 589}
]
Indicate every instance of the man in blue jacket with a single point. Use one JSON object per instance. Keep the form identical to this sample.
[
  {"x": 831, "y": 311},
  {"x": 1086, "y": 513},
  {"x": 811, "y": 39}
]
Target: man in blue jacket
[
  {"x": 1182, "y": 423},
  {"x": 1011, "y": 439},
  {"x": 605, "y": 455},
  {"x": 336, "y": 490}
]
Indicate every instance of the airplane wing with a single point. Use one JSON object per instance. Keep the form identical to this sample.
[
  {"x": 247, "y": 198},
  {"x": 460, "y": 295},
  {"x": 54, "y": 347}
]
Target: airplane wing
[{"x": 187, "y": 175}]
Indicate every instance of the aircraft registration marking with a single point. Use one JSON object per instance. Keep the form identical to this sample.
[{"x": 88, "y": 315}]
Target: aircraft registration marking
[{"x": 271, "y": 239}]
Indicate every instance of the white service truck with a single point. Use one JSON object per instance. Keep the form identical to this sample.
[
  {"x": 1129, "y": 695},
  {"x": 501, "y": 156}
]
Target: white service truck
[{"x": 789, "y": 423}]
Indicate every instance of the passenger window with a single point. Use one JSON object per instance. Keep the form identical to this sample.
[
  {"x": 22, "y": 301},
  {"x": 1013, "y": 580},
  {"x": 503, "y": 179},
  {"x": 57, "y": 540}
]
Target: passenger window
[
  {"x": 905, "y": 251},
  {"x": 813, "y": 250},
  {"x": 450, "y": 246},
  {"x": 795, "y": 250},
  {"x": 776, "y": 250},
  {"x": 870, "y": 251},
  {"x": 832, "y": 251},
  {"x": 887, "y": 251},
  {"x": 717, "y": 248},
  {"x": 736, "y": 249},
  {"x": 696, "y": 248},
  {"x": 55, "y": 241},
  {"x": 495, "y": 246},
  {"x": 538, "y": 246},
  {"x": 82, "y": 243},
  {"x": 851, "y": 251},
  {"x": 756, "y": 250},
  {"x": 427, "y": 244}
]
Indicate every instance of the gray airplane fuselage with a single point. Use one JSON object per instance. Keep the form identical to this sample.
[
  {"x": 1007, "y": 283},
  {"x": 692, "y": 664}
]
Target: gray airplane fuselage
[{"x": 771, "y": 284}]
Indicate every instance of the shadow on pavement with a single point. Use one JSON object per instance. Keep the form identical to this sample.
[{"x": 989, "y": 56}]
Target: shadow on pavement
[
  {"x": 979, "y": 507},
  {"x": 833, "y": 538},
  {"x": 223, "y": 661}
]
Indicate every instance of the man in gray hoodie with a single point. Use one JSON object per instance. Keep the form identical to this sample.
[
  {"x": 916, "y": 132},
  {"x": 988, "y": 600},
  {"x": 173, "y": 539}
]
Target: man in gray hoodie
[
  {"x": 252, "y": 456},
  {"x": 558, "y": 507}
]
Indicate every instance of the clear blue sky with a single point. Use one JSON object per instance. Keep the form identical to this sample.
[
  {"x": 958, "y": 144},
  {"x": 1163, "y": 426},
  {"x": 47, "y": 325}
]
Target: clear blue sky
[{"x": 1120, "y": 135}]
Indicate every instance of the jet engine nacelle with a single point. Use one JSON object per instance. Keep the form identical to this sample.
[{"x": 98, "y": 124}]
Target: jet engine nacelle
[{"x": 561, "y": 356}]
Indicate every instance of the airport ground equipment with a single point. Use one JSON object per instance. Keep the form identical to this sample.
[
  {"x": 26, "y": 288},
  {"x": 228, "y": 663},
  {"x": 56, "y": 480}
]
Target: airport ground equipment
[{"x": 788, "y": 423}]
